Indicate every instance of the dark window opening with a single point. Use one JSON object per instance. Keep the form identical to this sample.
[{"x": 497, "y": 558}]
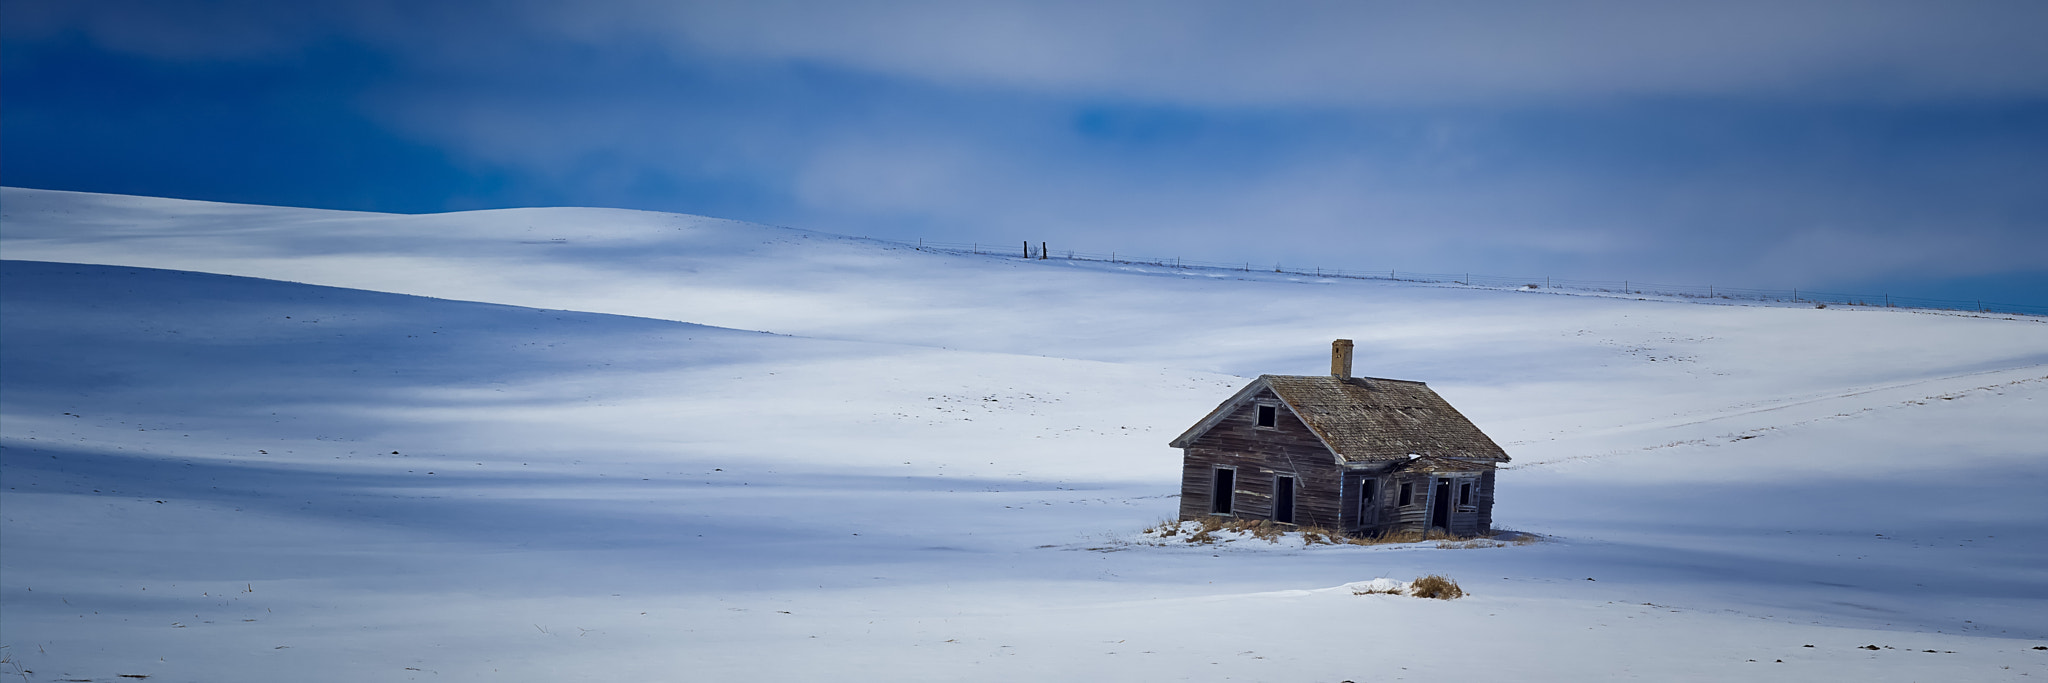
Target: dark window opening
[
  {"x": 1464, "y": 494},
  {"x": 1366, "y": 489},
  {"x": 1440, "y": 505},
  {"x": 1407, "y": 493},
  {"x": 1269, "y": 416},
  {"x": 1226, "y": 487},
  {"x": 1283, "y": 499}
]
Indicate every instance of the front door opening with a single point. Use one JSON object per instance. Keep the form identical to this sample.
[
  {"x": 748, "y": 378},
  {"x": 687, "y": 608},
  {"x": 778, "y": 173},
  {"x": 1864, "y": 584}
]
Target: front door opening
[
  {"x": 1440, "y": 505},
  {"x": 1225, "y": 489},
  {"x": 1366, "y": 510},
  {"x": 1283, "y": 499}
]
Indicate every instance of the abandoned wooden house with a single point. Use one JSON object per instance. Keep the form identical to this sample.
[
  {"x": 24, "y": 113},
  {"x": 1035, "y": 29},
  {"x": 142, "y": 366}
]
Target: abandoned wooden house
[{"x": 1362, "y": 455}]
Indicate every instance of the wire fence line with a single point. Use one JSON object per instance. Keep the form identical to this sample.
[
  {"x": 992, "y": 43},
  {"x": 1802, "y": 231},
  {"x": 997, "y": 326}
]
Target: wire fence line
[{"x": 1039, "y": 251}]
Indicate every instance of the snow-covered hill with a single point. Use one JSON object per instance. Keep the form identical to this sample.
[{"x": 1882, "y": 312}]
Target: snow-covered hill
[{"x": 626, "y": 445}]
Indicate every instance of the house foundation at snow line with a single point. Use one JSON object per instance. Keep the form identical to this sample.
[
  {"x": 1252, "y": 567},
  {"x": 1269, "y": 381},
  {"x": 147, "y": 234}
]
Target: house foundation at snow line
[{"x": 1363, "y": 455}]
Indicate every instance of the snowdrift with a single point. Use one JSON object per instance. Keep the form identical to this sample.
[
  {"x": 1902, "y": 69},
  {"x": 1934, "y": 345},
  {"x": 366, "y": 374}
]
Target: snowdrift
[{"x": 256, "y": 443}]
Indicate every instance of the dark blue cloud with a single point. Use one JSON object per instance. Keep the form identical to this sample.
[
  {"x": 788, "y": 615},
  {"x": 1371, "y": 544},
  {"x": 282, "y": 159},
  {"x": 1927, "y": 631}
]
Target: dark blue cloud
[{"x": 86, "y": 119}]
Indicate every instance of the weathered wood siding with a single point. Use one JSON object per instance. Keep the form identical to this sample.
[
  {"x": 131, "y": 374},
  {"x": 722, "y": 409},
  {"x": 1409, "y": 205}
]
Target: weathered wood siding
[
  {"x": 1259, "y": 454},
  {"x": 1357, "y": 515},
  {"x": 1486, "y": 502},
  {"x": 1414, "y": 515},
  {"x": 1386, "y": 513}
]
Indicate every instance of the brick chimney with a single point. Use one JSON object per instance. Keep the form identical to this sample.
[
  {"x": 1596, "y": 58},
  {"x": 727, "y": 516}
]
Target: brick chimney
[{"x": 1340, "y": 359}]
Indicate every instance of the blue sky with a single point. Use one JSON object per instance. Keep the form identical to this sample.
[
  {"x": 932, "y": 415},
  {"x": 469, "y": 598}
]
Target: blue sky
[{"x": 1850, "y": 146}]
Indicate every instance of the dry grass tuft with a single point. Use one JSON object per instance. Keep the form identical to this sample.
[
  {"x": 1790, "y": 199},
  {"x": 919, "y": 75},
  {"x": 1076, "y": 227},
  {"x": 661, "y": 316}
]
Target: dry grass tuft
[
  {"x": 1267, "y": 531},
  {"x": 1408, "y": 536},
  {"x": 1312, "y": 535},
  {"x": 1208, "y": 531},
  {"x": 1436, "y": 586},
  {"x": 1471, "y": 543},
  {"x": 1500, "y": 539},
  {"x": 1206, "y": 534}
]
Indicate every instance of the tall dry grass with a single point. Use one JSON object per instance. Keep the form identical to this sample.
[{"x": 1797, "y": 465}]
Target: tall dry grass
[
  {"x": 1207, "y": 530},
  {"x": 1436, "y": 586}
]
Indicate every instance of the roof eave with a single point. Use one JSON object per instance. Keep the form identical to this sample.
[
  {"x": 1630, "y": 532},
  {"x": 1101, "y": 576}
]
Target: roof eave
[{"x": 1221, "y": 411}]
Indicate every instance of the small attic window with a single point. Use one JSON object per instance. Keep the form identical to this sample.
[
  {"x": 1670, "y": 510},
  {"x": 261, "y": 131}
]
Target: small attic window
[{"x": 1269, "y": 415}]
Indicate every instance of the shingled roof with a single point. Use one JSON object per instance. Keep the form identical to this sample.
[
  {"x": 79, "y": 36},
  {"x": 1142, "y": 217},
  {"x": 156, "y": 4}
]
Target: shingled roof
[{"x": 1367, "y": 419}]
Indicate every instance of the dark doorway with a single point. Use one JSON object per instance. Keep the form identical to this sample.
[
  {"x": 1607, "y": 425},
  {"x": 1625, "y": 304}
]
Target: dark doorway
[
  {"x": 1440, "y": 505},
  {"x": 1224, "y": 490},
  {"x": 1368, "y": 510},
  {"x": 1283, "y": 499}
]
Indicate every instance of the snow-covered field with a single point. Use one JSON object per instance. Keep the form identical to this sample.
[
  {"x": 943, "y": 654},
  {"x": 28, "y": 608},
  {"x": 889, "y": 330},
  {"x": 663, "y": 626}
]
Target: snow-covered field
[{"x": 246, "y": 446}]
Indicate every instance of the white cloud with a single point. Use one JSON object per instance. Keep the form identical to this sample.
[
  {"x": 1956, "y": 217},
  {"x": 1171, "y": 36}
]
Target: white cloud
[
  {"x": 1350, "y": 53},
  {"x": 1203, "y": 52},
  {"x": 896, "y": 177}
]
